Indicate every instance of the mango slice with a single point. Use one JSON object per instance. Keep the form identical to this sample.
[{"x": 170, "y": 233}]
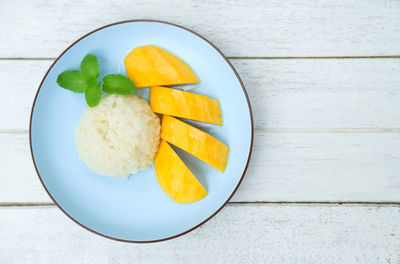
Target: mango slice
[
  {"x": 152, "y": 66},
  {"x": 175, "y": 178},
  {"x": 183, "y": 104},
  {"x": 196, "y": 142}
]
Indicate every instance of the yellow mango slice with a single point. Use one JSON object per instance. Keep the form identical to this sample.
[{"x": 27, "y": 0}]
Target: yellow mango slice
[
  {"x": 175, "y": 178},
  {"x": 196, "y": 142},
  {"x": 183, "y": 104},
  {"x": 152, "y": 66}
]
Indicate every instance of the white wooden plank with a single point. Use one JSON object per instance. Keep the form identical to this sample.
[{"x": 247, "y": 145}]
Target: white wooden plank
[
  {"x": 240, "y": 28},
  {"x": 239, "y": 234},
  {"x": 323, "y": 167},
  {"x": 286, "y": 95},
  {"x": 284, "y": 167},
  {"x": 19, "y": 182},
  {"x": 323, "y": 94},
  {"x": 20, "y": 81}
]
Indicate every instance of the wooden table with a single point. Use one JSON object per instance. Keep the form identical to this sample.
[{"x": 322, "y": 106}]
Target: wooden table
[{"x": 323, "y": 184}]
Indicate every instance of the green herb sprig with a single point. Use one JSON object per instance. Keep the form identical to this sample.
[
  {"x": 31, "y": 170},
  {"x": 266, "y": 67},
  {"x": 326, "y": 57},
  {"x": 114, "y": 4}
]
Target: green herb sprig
[{"x": 85, "y": 81}]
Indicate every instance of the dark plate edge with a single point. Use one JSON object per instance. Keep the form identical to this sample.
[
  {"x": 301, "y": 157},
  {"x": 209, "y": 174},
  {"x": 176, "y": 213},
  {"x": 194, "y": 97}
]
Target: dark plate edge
[{"x": 244, "y": 91}]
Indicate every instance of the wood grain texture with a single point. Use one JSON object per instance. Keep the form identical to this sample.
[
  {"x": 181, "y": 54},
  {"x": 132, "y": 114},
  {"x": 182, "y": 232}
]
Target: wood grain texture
[
  {"x": 20, "y": 81},
  {"x": 286, "y": 95},
  {"x": 284, "y": 167},
  {"x": 239, "y": 234},
  {"x": 240, "y": 28}
]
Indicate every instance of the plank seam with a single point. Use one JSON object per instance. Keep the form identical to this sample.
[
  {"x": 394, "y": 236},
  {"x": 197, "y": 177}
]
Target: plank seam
[
  {"x": 312, "y": 57},
  {"x": 328, "y": 203},
  {"x": 249, "y": 57}
]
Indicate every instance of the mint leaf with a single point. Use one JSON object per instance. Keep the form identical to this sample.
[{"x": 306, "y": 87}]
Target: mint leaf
[
  {"x": 93, "y": 95},
  {"x": 118, "y": 84},
  {"x": 75, "y": 81},
  {"x": 90, "y": 66},
  {"x": 85, "y": 81}
]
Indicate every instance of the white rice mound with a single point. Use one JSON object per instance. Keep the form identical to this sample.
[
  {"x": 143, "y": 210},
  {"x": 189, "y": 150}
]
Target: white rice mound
[{"x": 118, "y": 137}]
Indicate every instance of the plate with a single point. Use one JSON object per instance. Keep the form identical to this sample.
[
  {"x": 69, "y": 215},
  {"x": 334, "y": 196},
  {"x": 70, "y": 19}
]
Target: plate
[{"x": 136, "y": 209}]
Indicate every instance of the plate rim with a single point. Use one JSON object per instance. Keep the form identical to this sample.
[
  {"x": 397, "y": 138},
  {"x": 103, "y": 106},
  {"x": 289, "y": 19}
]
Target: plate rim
[{"x": 248, "y": 157}]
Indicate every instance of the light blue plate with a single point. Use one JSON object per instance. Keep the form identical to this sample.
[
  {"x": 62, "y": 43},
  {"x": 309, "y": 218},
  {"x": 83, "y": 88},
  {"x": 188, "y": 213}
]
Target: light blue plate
[{"x": 137, "y": 210}]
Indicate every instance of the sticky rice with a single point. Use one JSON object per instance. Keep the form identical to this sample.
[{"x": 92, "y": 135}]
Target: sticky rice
[{"x": 118, "y": 137}]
